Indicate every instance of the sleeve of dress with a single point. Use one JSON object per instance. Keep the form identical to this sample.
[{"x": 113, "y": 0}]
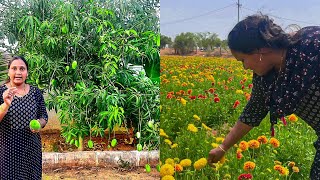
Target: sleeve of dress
[
  {"x": 255, "y": 110},
  {"x": 42, "y": 111}
]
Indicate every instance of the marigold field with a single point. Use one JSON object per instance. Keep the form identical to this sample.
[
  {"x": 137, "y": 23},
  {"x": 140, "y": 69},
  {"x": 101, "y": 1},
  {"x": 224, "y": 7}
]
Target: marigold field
[{"x": 201, "y": 99}]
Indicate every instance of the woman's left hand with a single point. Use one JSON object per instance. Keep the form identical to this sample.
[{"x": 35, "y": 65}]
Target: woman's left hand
[{"x": 41, "y": 125}]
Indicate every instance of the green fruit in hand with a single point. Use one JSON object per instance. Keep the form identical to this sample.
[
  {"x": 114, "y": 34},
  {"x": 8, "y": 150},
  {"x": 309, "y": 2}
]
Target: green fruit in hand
[
  {"x": 114, "y": 142},
  {"x": 35, "y": 125},
  {"x": 139, "y": 147},
  {"x": 148, "y": 168},
  {"x": 158, "y": 167},
  {"x": 90, "y": 143},
  {"x": 74, "y": 64}
]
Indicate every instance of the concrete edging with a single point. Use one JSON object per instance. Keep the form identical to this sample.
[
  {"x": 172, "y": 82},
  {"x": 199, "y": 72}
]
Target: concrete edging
[{"x": 51, "y": 160}]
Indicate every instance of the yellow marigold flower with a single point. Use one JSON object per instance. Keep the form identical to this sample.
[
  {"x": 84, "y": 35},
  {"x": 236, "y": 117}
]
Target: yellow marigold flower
[
  {"x": 291, "y": 164},
  {"x": 249, "y": 165},
  {"x": 227, "y": 176},
  {"x": 185, "y": 162},
  {"x": 183, "y": 101},
  {"x": 170, "y": 161},
  {"x": 277, "y": 167},
  {"x": 295, "y": 169},
  {"x": 192, "y": 128},
  {"x": 222, "y": 160},
  {"x": 219, "y": 139},
  {"x": 277, "y": 163},
  {"x": 284, "y": 171},
  {"x": 166, "y": 169},
  {"x": 167, "y": 177},
  {"x": 293, "y": 118},
  {"x": 206, "y": 127},
  {"x": 174, "y": 145},
  {"x": 201, "y": 163},
  {"x": 239, "y": 91},
  {"x": 162, "y": 133},
  {"x": 178, "y": 168},
  {"x": 263, "y": 139},
  {"x": 274, "y": 142},
  {"x": 214, "y": 145},
  {"x": 168, "y": 141},
  {"x": 243, "y": 145},
  {"x": 196, "y": 117},
  {"x": 254, "y": 144},
  {"x": 239, "y": 150}
]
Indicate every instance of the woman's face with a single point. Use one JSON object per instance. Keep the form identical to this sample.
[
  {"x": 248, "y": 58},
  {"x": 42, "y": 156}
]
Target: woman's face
[
  {"x": 252, "y": 61},
  {"x": 18, "y": 72}
]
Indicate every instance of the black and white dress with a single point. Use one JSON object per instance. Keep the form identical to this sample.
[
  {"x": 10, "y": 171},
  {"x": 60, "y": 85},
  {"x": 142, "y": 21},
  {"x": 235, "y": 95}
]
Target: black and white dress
[{"x": 20, "y": 149}]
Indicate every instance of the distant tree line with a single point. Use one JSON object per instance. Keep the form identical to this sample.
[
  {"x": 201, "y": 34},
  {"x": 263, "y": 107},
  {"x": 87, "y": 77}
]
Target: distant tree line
[{"x": 186, "y": 43}]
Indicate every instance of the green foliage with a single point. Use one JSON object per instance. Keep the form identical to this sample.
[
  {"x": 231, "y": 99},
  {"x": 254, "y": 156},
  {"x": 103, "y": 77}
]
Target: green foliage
[
  {"x": 79, "y": 52},
  {"x": 184, "y": 43},
  {"x": 165, "y": 40}
]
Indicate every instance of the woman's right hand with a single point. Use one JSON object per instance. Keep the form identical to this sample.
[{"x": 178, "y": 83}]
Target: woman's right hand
[
  {"x": 215, "y": 155},
  {"x": 9, "y": 94}
]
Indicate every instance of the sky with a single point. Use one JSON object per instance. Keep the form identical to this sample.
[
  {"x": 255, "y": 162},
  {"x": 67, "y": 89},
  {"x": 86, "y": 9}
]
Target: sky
[{"x": 220, "y": 16}]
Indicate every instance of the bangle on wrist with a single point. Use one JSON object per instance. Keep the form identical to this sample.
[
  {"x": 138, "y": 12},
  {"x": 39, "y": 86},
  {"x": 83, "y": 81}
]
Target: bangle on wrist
[{"x": 222, "y": 149}]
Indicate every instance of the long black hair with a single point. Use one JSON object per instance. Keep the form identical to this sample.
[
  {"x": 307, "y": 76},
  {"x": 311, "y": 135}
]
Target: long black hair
[
  {"x": 13, "y": 59},
  {"x": 258, "y": 31}
]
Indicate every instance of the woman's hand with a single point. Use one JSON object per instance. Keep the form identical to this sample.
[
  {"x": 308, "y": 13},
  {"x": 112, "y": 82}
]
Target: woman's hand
[
  {"x": 42, "y": 124},
  {"x": 215, "y": 155},
  {"x": 9, "y": 94}
]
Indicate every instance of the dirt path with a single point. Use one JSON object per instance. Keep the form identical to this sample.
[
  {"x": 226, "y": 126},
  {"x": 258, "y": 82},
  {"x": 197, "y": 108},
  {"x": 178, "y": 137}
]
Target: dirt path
[{"x": 96, "y": 173}]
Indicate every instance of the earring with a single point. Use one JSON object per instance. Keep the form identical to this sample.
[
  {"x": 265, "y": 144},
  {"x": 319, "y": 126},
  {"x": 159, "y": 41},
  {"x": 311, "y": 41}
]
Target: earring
[{"x": 260, "y": 56}]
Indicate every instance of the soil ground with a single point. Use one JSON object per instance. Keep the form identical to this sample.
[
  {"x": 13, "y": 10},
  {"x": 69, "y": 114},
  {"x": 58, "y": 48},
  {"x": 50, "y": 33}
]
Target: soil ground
[{"x": 96, "y": 173}]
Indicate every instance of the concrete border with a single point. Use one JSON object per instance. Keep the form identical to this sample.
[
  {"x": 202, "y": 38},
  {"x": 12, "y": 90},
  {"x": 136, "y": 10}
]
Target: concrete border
[{"x": 52, "y": 160}]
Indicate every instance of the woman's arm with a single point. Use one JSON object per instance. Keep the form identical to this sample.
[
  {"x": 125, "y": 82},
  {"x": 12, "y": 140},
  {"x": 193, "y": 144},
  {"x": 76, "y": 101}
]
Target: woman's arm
[{"x": 239, "y": 130}]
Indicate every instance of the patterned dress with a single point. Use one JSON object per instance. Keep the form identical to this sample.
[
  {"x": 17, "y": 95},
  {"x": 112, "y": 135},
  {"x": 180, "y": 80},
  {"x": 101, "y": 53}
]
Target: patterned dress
[
  {"x": 20, "y": 149},
  {"x": 308, "y": 105}
]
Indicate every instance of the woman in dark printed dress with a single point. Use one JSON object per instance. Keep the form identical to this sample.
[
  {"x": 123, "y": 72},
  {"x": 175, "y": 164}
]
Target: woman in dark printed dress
[
  {"x": 20, "y": 147},
  {"x": 286, "y": 76}
]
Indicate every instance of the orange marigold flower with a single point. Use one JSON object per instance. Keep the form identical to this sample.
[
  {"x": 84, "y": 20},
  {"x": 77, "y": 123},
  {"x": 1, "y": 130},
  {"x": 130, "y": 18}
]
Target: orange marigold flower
[
  {"x": 284, "y": 171},
  {"x": 295, "y": 169},
  {"x": 254, "y": 144},
  {"x": 293, "y": 118},
  {"x": 249, "y": 165},
  {"x": 291, "y": 164},
  {"x": 243, "y": 145},
  {"x": 189, "y": 91},
  {"x": 263, "y": 139},
  {"x": 274, "y": 142},
  {"x": 239, "y": 155},
  {"x": 178, "y": 168},
  {"x": 277, "y": 167}
]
